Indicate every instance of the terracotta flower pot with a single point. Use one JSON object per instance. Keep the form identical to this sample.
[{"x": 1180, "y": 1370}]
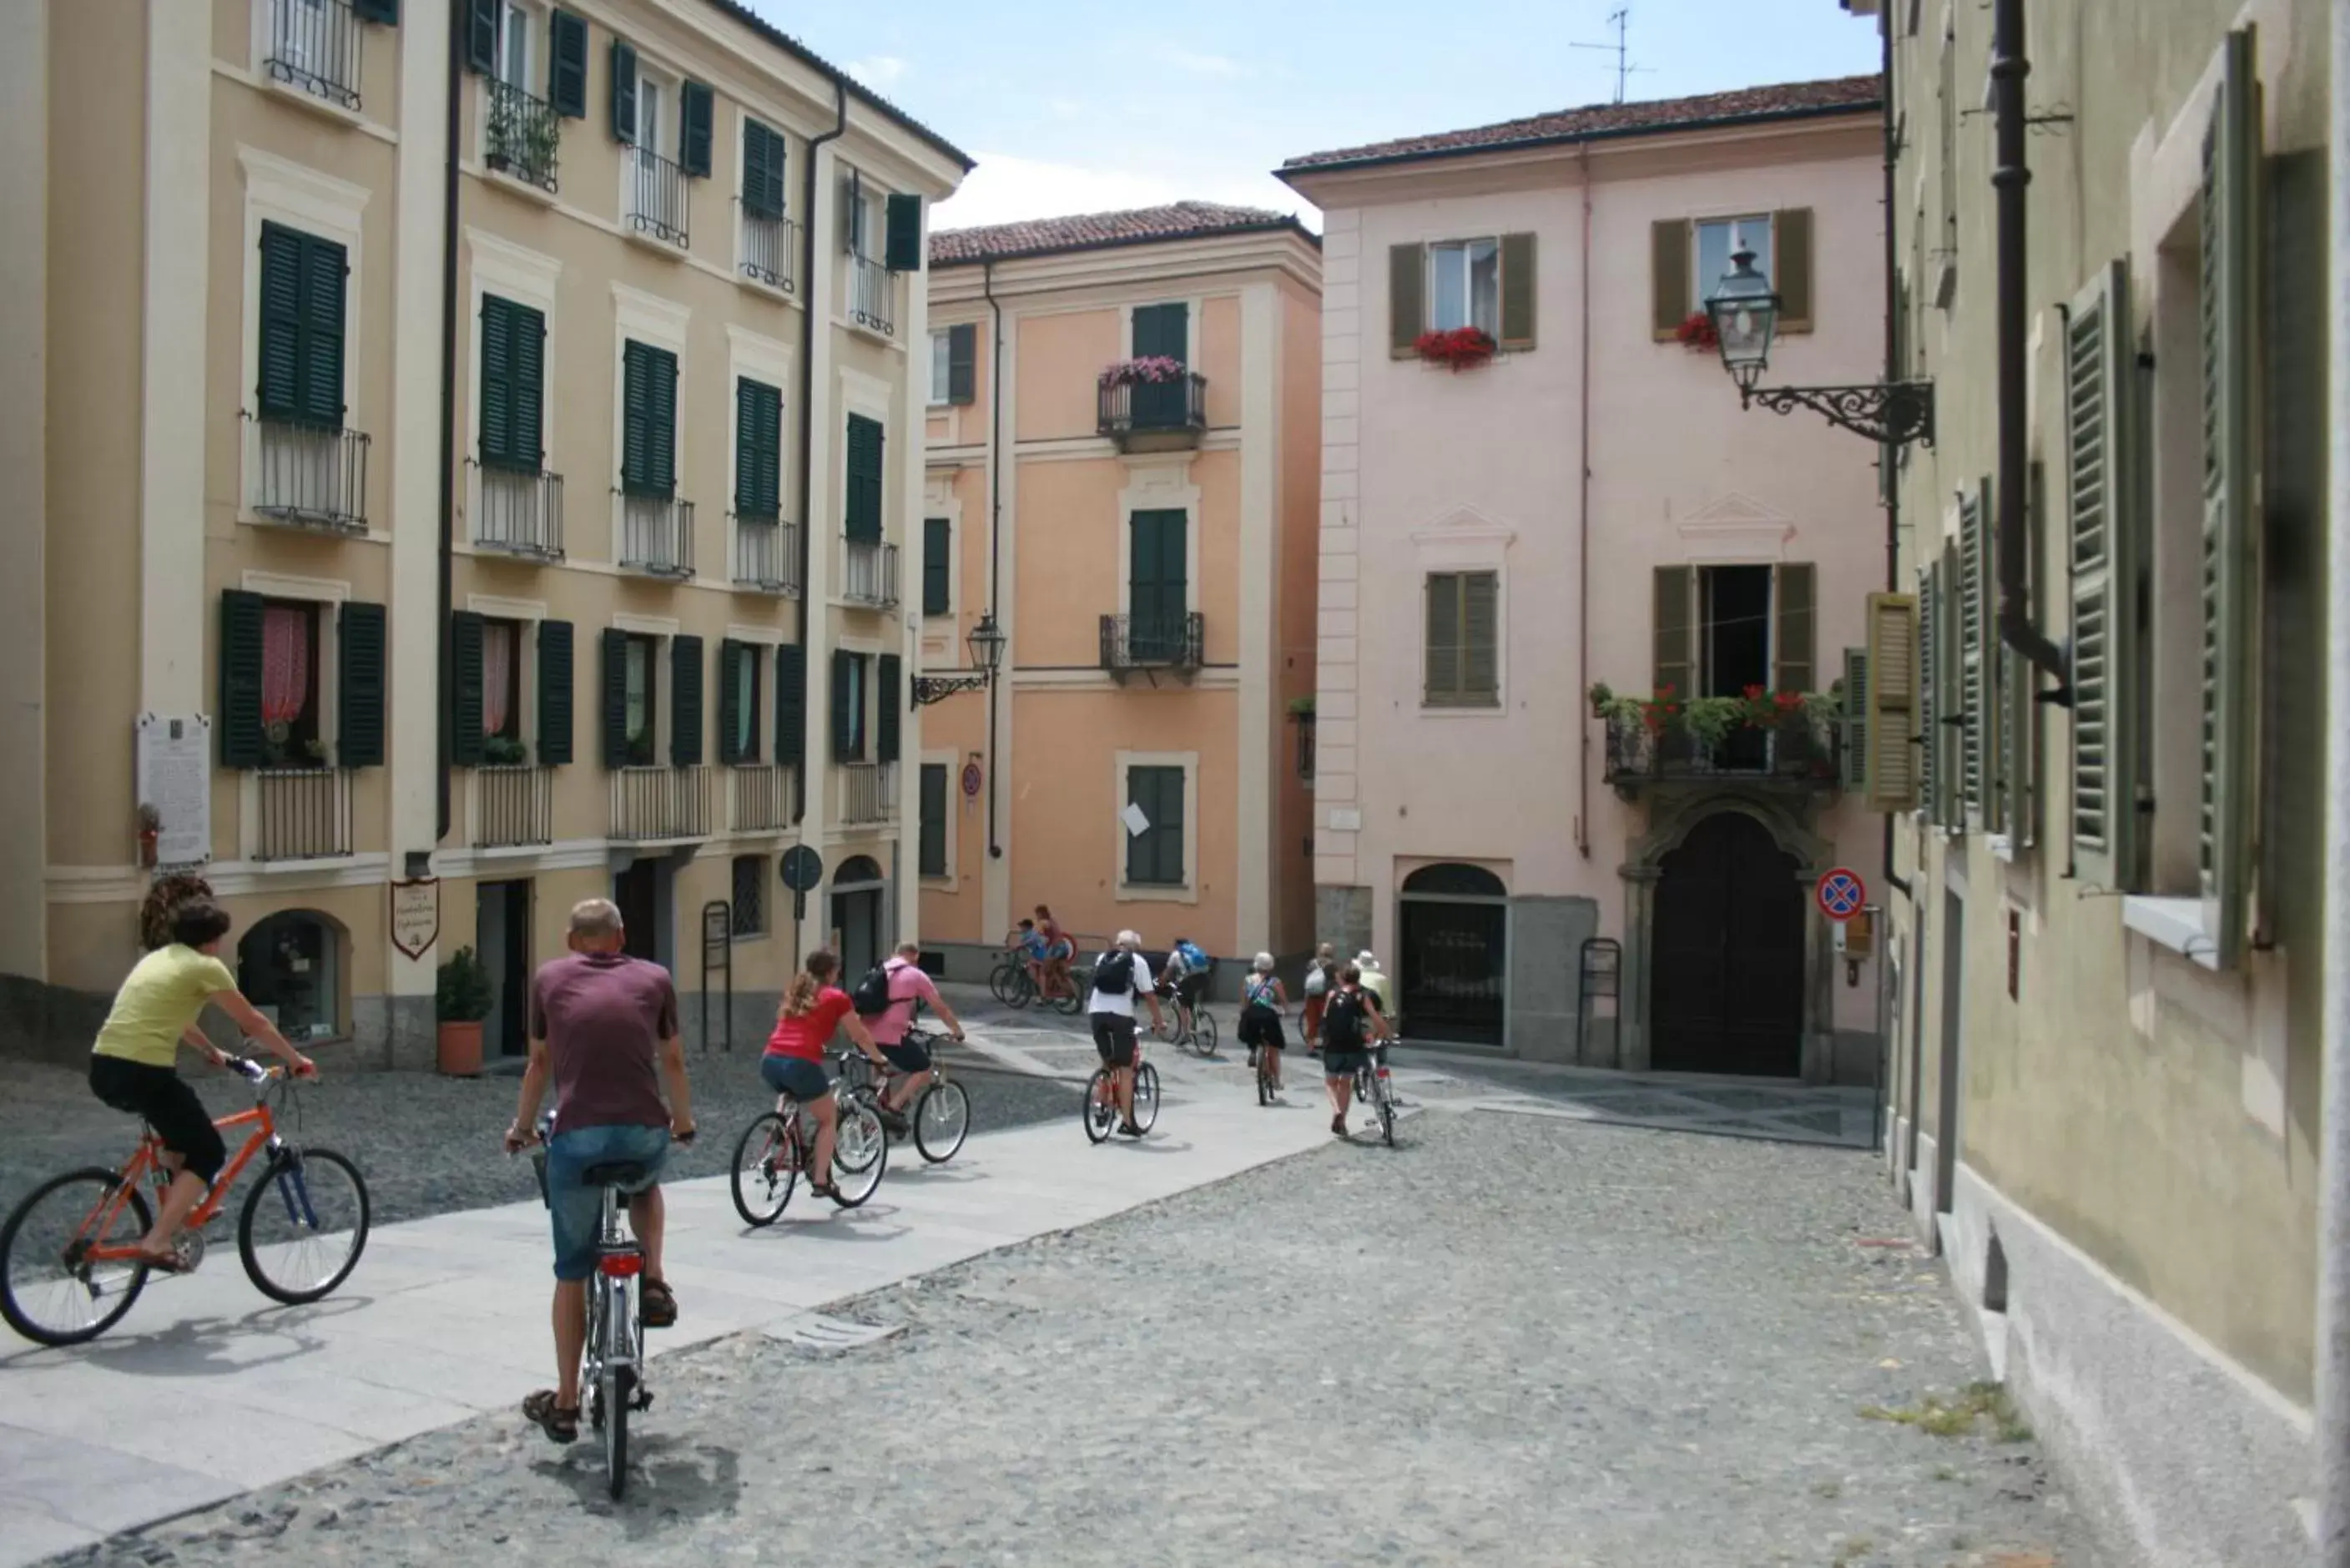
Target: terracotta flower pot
[{"x": 460, "y": 1050}]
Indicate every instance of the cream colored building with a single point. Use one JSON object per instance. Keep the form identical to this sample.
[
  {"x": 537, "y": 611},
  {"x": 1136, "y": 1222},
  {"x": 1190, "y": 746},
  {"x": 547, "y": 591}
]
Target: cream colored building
[
  {"x": 525, "y": 516},
  {"x": 1148, "y": 545}
]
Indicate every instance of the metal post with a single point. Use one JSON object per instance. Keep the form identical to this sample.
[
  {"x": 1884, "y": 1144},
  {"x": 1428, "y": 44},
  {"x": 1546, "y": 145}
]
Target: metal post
[{"x": 1877, "y": 933}]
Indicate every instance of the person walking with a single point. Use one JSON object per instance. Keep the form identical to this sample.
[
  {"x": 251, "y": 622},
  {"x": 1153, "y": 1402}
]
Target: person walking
[
  {"x": 1321, "y": 976},
  {"x": 1349, "y": 1023}
]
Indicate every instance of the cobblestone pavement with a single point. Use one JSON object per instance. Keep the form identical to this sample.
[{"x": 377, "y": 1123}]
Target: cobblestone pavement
[{"x": 1512, "y": 1340}]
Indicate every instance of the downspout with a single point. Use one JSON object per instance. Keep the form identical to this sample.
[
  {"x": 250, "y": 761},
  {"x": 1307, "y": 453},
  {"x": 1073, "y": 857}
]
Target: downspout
[
  {"x": 2008, "y": 177},
  {"x": 1583, "y": 534},
  {"x": 995, "y": 514},
  {"x": 1890, "y": 456},
  {"x": 807, "y": 409},
  {"x": 447, "y": 673}
]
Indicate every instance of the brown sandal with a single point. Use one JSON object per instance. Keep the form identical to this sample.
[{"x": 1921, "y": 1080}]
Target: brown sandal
[
  {"x": 659, "y": 1305},
  {"x": 558, "y": 1423}
]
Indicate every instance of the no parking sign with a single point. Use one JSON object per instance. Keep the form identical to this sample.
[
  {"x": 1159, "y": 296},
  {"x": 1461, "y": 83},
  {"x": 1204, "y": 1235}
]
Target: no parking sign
[{"x": 1841, "y": 893}]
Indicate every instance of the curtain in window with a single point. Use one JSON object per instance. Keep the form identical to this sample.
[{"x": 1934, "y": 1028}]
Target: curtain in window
[
  {"x": 285, "y": 663},
  {"x": 498, "y": 677}
]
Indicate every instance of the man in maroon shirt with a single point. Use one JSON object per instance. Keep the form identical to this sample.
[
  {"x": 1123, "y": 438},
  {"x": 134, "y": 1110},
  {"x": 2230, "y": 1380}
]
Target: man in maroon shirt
[{"x": 603, "y": 1025}]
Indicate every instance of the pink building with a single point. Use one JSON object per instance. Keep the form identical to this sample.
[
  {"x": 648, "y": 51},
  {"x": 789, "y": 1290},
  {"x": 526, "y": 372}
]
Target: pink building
[{"x": 1590, "y": 508}]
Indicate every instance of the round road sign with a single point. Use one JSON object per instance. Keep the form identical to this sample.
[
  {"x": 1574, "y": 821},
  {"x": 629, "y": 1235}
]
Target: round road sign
[
  {"x": 803, "y": 868},
  {"x": 1841, "y": 893},
  {"x": 970, "y": 781}
]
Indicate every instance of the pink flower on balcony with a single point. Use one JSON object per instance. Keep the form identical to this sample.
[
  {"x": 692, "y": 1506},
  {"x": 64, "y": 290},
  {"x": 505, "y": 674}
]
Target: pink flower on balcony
[{"x": 1152, "y": 368}]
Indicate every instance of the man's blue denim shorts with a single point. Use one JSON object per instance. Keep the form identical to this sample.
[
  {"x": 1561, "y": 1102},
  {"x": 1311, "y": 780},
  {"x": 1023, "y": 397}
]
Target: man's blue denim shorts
[{"x": 577, "y": 1208}]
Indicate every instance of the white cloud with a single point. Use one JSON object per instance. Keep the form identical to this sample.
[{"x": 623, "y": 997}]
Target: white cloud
[
  {"x": 878, "y": 72},
  {"x": 1006, "y": 189}
]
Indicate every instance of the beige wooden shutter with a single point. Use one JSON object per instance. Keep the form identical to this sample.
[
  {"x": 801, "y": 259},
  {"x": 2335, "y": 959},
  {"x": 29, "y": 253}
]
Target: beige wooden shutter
[
  {"x": 1932, "y": 650},
  {"x": 1442, "y": 682},
  {"x": 1791, "y": 267},
  {"x": 1673, "y": 668},
  {"x": 1517, "y": 292},
  {"x": 1481, "y": 664},
  {"x": 1974, "y": 729},
  {"x": 1407, "y": 298},
  {"x": 1891, "y": 733},
  {"x": 1794, "y": 664},
  {"x": 1669, "y": 277},
  {"x": 2104, "y": 559}
]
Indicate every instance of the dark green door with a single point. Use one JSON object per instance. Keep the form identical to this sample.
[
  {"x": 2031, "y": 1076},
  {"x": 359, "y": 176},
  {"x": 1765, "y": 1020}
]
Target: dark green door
[
  {"x": 1160, "y": 591},
  {"x": 1162, "y": 332}
]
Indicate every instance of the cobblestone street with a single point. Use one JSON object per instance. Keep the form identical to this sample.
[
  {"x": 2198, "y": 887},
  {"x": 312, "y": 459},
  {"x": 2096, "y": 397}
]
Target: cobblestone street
[{"x": 1516, "y": 1339}]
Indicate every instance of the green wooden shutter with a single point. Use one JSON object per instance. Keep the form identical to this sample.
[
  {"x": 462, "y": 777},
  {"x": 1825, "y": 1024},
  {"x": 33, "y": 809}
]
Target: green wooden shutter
[
  {"x": 1952, "y": 700},
  {"x": 889, "y": 707},
  {"x": 624, "y": 92},
  {"x": 1930, "y": 654},
  {"x": 1407, "y": 298},
  {"x": 526, "y": 446},
  {"x": 279, "y": 391},
  {"x": 240, "y": 737},
  {"x": 387, "y": 12},
  {"x": 1441, "y": 649},
  {"x": 1163, "y": 331},
  {"x": 1891, "y": 708},
  {"x": 1517, "y": 292},
  {"x": 758, "y": 448},
  {"x": 863, "y": 522},
  {"x": 361, "y": 675},
  {"x": 2230, "y": 259},
  {"x": 843, "y": 696},
  {"x": 1794, "y": 659},
  {"x": 482, "y": 35},
  {"x": 729, "y": 701},
  {"x": 1480, "y": 632},
  {"x": 696, "y": 114},
  {"x": 554, "y": 692},
  {"x": 661, "y": 423},
  {"x": 852, "y": 213},
  {"x": 1673, "y": 660},
  {"x": 963, "y": 362},
  {"x": 1854, "y": 719},
  {"x": 744, "y": 720},
  {"x": 1668, "y": 276},
  {"x": 567, "y": 69},
  {"x": 685, "y": 701},
  {"x": 615, "y": 694},
  {"x": 790, "y": 704},
  {"x": 1973, "y": 676},
  {"x": 636, "y": 413},
  {"x": 497, "y": 431},
  {"x": 465, "y": 688},
  {"x": 932, "y": 846},
  {"x": 1157, "y": 582},
  {"x": 2097, "y": 427},
  {"x": 1790, "y": 267},
  {"x": 763, "y": 171},
  {"x": 901, "y": 248},
  {"x": 324, "y": 270},
  {"x": 938, "y": 567}
]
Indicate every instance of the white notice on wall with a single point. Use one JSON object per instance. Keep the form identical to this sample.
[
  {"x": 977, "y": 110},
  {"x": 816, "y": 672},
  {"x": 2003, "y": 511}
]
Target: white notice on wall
[
  {"x": 176, "y": 777},
  {"x": 1137, "y": 824}
]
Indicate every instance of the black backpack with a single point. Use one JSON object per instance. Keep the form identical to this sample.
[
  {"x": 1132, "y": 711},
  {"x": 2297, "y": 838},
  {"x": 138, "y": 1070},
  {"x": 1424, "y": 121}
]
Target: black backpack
[
  {"x": 1342, "y": 1022},
  {"x": 1114, "y": 973},
  {"x": 872, "y": 997}
]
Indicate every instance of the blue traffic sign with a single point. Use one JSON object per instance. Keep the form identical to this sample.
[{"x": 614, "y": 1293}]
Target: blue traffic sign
[{"x": 1841, "y": 893}]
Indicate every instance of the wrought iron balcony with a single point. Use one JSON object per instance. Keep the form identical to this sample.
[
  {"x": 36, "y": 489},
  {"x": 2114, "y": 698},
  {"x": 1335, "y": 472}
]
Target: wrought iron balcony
[
  {"x": 656, "y": 535},
  {"x": 512, "y": 806},
  {"x": 869, "y": 573},
  {"x": 316, "y": 45},
  {"x": 1154, "y": 415},
  {"x": 518, "y": 512},
  {"x": 762, "y": 797},
  {"x": 311, "y": 476},
  {"x": 1131, "y": 642},
  {"x": 766, "y": 555},
  {"x": 657, "y": 194},
  {"x": 770, "y": 249},
  {"x": 522, "y": 135},
  {"x": 872, "y": 295},
  {"x": 654, "y": 805},
  {"x": 306, "y": 813},
  {"x": 1792, "y": 758},
  {"x": 868, "y": 793}
]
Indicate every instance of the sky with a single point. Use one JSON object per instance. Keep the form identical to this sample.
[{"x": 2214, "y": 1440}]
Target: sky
[{"x": 1081, "y": 105}]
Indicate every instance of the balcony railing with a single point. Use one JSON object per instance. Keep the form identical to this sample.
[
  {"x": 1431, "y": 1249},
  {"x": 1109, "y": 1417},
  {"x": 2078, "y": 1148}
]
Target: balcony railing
[
  {"x": 315, "y": 45},
  {"x": 1152, "y": 642},
  {"x": 657, "y": 197},
  {"x": 657, "y": 805},
  {"x": 770, "y": 249},
  {"x": 306, "y": 813},
  {"x": 872, "y": 295},
  {"x": 519, "y": 510},
  {"x": 512, "y": 806},
  {"x": 766, "y": 555},
  {"x": 1790, "y": 757},
  {"x": 868, "y": 793},
  {"x": 869, "y": 573},
  {"x": 522, "y": 135},
  {"x": 1154, "y": 413},
  {"x": 762, "y": 797},
  {"x": 311, "y": 476},
  {"x": 656, "y": 535}
]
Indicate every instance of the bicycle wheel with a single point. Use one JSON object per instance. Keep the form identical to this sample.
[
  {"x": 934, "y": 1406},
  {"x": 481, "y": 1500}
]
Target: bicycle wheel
[
  {"x": 1070, "y": 1002},
  {"x": 766, "y": 1165},
  {"x": 49, "y": 1290},
  {"x": 1146, "y": 1097},
  {"x": 1383, "y": 1097},
  {"x": 1203, "y": 1031},
  {"x": 619, "y": 1393},
  {"x": 942, "y": 1121},
  {"x": 1099, "y": 1113},
  {"x": 860, "y": 1152},
  {"x": 1263, "y": 1075},
  {"x": 1004, "y": 982},
  {"x": 856, "y": 1071},
  {"x": 304, "y": 1226}
]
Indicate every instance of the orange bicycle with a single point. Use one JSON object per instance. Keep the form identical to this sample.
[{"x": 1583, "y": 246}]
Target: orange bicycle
[{"x": 70, "y": 1260}]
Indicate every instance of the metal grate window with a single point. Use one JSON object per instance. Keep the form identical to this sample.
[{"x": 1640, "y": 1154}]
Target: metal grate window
[{"x": 750, "y": 883}]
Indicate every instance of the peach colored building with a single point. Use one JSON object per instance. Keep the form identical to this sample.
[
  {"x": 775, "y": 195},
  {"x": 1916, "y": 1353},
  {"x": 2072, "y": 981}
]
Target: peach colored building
[
  {"x": 1590, "y": 507},
  {"x": 1149, "y": 545}
]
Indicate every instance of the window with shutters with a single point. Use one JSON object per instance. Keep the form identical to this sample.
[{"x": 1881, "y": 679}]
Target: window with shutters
[
  {"x": 1740, "y": 639},
  {"x": 640, "y": 729},
  {"x": 851, "y": 715},
  {"x": 502, "y": 642},
  {"x": 1464, "y": 286},
  {"x": 749, "y": 906},
  {"x": 933, "y": 842},
  {"x": 1462, "y": 654},
  {"x": 1713, "y": 240},
  {"x": 648, "y": 420},
  {"x": 302, "y": 283},
  {"x": 531, "y": 51},
  {"x": 938, "y": 568},
  {"x": 1688, "y": 256},
  {"x": 511, "y": 426},
  {"x": 739, "y": 702},
  {"x": 292, "y": 734},
  {"x": 1155, "y": 799},
  {"x": 941, "y": 357},
  {"x": 317, "y": 45},
  {"x": 769, "y": 243}
]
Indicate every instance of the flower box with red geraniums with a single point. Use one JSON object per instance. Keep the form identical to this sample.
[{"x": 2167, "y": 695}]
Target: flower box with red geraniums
[
  {"x": 1153, "y": 369},
  {"x": 1458, "y": 348},
  {"x": 1697, "y": 334}
]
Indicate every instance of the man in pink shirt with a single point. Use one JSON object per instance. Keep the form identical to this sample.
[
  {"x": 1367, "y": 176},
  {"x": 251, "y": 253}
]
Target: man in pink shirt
[{"x": 908, "y": 985}]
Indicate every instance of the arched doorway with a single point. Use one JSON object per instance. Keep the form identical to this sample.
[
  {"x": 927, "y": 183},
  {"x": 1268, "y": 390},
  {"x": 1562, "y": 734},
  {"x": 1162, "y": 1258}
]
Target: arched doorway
[
  {"x": 856, "y": 915},
  {"x": 1726, "y": 987},
  {"x": 290, "y": 965},
  {"x": 1454, "y": 930}
]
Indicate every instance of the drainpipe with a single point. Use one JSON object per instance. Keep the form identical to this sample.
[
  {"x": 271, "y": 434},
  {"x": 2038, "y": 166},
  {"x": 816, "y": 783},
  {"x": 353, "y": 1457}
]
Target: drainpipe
[
  {"x": 994, "y": 516},
  {"x": 807, "y": 406},
  {"x": 447, "y": 673},
  {"x": 2008, "y": 177},
  {"x": 1583, "y": 535},
  {"x": 1890, "y": 456}
]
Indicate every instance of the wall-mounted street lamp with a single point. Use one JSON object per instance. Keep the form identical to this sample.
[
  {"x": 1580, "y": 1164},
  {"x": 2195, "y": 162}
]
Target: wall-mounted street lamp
[
  {"x": 986, "y": 642},
  {"x": 1745, "y": 313}
]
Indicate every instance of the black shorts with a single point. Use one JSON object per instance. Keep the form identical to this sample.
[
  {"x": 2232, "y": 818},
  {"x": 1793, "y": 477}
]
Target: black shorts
[
  {"x": 161, "y": 1098},
  {"x": 1260, "y": 1026},
  {"x": 1114, "y": 1038},
  {"x": 1338, "y": 1061},
  {"x": 907, "y": 1056},
  {"x": 1189, "y": 989}
]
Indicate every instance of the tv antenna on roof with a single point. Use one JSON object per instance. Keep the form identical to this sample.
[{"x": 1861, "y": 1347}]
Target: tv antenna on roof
[{"x": 1620, "y": 19}]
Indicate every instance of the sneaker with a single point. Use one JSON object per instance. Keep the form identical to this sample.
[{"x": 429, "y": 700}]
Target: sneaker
[
  {"x": 895, "y": 1121},
  {"x": 1127, "y": 1129},
  {"x": 1252, "y": 1055}
]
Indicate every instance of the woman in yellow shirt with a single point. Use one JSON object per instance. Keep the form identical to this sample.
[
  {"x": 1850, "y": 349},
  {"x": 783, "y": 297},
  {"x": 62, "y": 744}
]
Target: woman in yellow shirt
[{"x": 133, "y": 1065}]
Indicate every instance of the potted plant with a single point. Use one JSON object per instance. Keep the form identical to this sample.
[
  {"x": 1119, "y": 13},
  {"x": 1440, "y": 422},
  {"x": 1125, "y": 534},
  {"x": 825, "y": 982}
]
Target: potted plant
[
  {"x": 1697, "y": 334},
  {"x": 1152, "y": 368},
  {"x": 505, "y": 752},
  {"x": 1458, "y": 348},
  {"x": 462, "y": 998}
]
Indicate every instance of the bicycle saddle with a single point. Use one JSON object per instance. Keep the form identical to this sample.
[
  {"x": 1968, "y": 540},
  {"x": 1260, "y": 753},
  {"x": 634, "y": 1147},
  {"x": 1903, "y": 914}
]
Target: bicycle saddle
[{"x": 616, "y": 1173}]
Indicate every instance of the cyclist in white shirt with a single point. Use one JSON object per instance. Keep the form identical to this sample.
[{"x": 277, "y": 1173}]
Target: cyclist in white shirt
[{"x": 1121, "y": 975}]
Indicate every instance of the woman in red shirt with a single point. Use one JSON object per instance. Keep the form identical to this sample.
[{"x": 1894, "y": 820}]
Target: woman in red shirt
[{"x": 813, "y": 1008}]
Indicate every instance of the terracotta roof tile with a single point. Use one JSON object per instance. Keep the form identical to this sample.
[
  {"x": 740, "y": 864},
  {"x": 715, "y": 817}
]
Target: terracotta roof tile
[
  {"x": 1094, "y": 231},
  {"x": 1789, "y": 98}
]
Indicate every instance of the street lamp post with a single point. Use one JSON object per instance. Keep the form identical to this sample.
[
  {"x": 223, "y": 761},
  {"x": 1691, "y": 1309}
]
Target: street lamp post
[
  {"x": 986, "y": 643},
  {"x": 1745, "y": 310}
]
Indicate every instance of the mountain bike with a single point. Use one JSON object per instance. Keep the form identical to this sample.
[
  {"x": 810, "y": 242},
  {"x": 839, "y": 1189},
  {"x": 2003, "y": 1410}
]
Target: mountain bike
[
  {"x": 1100, "y": 1110},
  {"x": 941, "y": 1112},
  {"x": 70, "y": 1260},
  {"x": 780, "y": 1144},
  {"x": 1373, "y": 1089},
  {"x": 1199, "y": 1037}
]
